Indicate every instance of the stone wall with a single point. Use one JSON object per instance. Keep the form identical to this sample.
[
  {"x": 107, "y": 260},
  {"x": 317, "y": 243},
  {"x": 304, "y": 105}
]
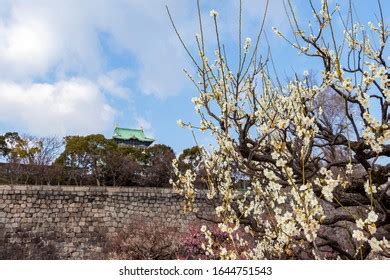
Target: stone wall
[{"x": 78, "y": 219}]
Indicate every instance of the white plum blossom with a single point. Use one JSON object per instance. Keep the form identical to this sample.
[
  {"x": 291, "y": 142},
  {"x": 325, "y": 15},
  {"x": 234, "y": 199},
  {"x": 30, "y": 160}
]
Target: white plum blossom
[
  {"x": 214, "y": 13},
  {"x": 369, "y": 188},
  {"x": 360, "y": 223},
  {"x": 372, "y": 217},
  {"x": 280, "y": 153},
  {"x": 359, "y": 235},
  {"x": 180, "y": 123},
  {"x": 349, "y": 169},
  {"x": 247, "y": 44},
  {"x": 375, "y": 244}
]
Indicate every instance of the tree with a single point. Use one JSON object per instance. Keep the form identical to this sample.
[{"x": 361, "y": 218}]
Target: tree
[
  {"x": 157, "y": 169},
  {"x": 21, "y": 155},
  {"x": 49, "y": 149},
  {"x": 84, "y": 157},
  {"x": 120, "y": 167},
  {"x": 301, "y": 197},
  {"x": 3, "y": 146},
  {"x": 191, "y": 159},
  {"x": 29, "y": 157},
  {"x": 7, "y": 143}
]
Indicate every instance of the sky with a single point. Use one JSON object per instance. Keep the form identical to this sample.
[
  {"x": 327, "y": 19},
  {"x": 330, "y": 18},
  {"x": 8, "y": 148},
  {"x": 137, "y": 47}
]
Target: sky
[{"x": 82, "y": 67}]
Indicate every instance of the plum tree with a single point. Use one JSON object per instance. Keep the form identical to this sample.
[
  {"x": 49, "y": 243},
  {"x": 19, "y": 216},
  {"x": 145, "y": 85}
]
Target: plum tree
[{"x": 318, "y": 185}]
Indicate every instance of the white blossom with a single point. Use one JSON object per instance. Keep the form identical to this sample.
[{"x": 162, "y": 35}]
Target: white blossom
[
  {"x": 375, "y": 244},
  {"x": 372, "y": 217},
  {"x": 180, "y": 123},
  {"x": 360, "y": 223},
  {"x": 284, "y": 191},
  {"x": 247, "y": 44},
  {"x": 369, "y": 188},
  {"x": 214, "y": 13},
  {"x": 359, "y": 235}
]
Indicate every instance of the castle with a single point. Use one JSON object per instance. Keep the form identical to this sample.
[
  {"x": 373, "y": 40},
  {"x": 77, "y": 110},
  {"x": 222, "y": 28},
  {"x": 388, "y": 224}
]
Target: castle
[{"x": 131, "y": 137}]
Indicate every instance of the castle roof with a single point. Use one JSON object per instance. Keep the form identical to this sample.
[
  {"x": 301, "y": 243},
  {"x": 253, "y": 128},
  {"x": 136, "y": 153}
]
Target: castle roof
[{"x": 129, "y": 133}]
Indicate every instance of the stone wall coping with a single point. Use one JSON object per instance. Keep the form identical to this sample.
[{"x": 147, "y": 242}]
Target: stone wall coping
[{"x": 94, "y": 189}]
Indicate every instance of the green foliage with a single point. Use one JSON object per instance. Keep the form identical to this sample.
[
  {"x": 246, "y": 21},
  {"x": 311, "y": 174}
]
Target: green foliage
[
  {"x": 93, "y": 159},
  {"x": 19, "y": 149},
  {"x": 7, "y": 142},
  {"x": 25, "y": 151},
  {"x": 190, "y": 159},
  {"x": 158, "y": 169},
  {"x": 85, "y": 151},
  {"x": 136, "y": 154},
  {"x": 84, "y": 155},
  {"x": 3, "y": 146},
  {"x": 159, "y": 152},
  {"x": 83, "y": 160}
]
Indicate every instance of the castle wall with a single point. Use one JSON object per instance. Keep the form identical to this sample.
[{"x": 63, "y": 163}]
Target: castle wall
[{"x": 77, "y": 219}]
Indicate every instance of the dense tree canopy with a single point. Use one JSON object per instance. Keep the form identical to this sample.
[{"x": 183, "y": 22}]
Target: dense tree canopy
[
  {"x": 83, "y": 156},
  {"x": 83, "y": 160}
]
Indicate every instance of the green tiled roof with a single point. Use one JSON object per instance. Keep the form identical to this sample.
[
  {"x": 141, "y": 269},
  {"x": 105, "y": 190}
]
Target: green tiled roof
[{"x": 127, "y": 133}]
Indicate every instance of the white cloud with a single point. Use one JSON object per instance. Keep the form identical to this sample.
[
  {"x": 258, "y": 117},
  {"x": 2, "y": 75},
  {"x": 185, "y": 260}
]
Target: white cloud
[
  {"x": 145, "y": 125},
  {"x": 26, "y": 49},
  {"x": 63, "y": 38},
  {"x": 67, "y": 107},
  {"x": 110, "y": 83},
  {"x": 65, "y": 46},
  {"x": 60, "y": 43},
  {"x": 38, "y": 37}
]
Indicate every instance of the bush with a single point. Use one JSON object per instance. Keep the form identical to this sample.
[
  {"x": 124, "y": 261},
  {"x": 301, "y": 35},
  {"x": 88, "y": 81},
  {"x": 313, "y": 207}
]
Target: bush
[
  {"x": 145, "y": 242},
  {"x": 151, "y": 242}
]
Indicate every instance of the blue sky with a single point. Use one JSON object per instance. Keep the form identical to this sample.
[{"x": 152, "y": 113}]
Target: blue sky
[{"x": 81, "y": 67}]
